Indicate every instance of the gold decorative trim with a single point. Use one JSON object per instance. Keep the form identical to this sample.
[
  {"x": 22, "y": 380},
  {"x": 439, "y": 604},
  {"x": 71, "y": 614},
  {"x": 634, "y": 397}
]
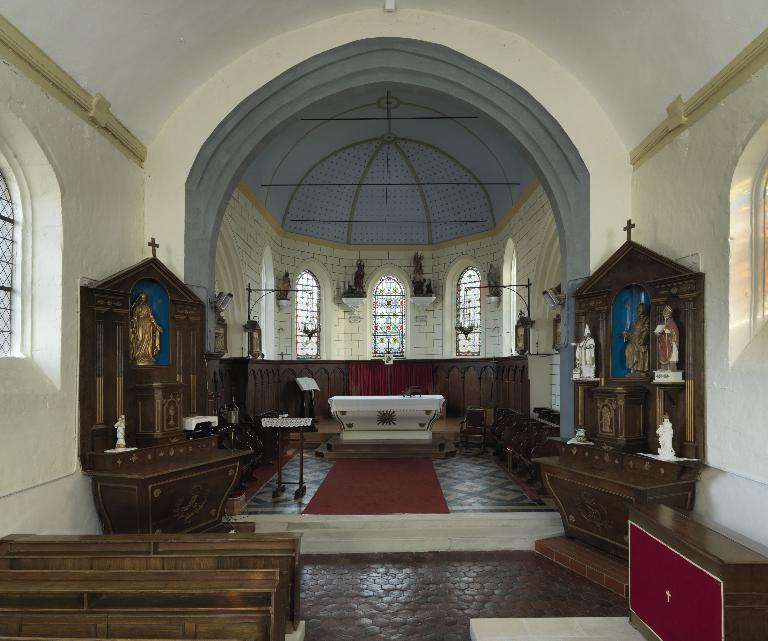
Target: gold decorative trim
[
  {"x": 525, "y": 195},
  {"x": 682, "y": 114},
  {"x": 26, "y": 56}
]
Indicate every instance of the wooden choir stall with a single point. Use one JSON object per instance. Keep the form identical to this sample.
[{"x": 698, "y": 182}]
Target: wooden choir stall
[
  {"x": 639, "y": 360},
  {"x": 142, "y": 356}
]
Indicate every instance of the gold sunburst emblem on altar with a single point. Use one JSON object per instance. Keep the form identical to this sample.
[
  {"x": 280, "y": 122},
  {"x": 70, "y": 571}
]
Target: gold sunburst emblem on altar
[{"x": 386, "y": 417}]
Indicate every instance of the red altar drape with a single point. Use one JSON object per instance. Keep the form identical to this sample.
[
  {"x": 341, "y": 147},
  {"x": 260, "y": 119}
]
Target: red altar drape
[
  {"x": 405, "y": 374},
  {"x": 377, "y": 379}
]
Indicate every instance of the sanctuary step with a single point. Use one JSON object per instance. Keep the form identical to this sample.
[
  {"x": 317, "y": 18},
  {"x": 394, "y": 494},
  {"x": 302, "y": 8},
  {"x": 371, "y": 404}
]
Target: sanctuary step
[
  {"x": 599, "y": 567},
  {"x": 436, "y": 448},
  {"x": 553, "y": 629},
  {"x": 327, "y": 534}
]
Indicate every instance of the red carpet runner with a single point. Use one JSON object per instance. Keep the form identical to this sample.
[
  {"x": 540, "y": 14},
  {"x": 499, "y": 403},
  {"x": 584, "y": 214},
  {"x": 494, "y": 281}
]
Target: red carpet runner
[{"x": 379, "y": 486}]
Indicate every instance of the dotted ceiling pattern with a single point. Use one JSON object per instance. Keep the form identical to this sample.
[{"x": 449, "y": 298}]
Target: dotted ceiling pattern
[{"x": 374, "y": 192}]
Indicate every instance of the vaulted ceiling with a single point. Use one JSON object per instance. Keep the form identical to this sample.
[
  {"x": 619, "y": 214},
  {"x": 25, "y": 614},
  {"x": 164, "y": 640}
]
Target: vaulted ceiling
[
  {"x": 147, "y": 56},
  {"x": 389, "y": 163}
]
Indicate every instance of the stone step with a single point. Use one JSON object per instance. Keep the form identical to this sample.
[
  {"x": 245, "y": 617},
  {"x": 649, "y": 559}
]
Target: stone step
[
  {"x": 326, "y": 534},
  {"x": 336, "y": 448},
  {"x": 554, "y": 629}
]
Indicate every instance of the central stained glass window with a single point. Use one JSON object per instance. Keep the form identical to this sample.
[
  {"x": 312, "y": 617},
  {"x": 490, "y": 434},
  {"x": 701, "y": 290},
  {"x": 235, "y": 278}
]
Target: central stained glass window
[
  {"x": 468, "y": 319},
  {"x": 307, "y": 316},
  {"x": 389, "y": 317}
]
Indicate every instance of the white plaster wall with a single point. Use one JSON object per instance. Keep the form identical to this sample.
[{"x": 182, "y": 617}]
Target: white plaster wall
[
  {"x": 681, "y": 206},
  {"x": 173, "y": 151},
  {"x": 429, "y": 336},
  {"x": 41, "y": 486}
]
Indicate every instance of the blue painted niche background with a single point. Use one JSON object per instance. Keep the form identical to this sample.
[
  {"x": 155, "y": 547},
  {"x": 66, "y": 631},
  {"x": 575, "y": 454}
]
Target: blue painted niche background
[
  {"x": 623, "y": 314},
  {"x": 159, "y": 303}
]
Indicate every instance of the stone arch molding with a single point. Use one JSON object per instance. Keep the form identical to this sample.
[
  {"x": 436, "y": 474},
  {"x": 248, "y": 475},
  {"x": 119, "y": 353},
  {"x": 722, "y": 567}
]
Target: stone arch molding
[{"x": 229, "y": 149}]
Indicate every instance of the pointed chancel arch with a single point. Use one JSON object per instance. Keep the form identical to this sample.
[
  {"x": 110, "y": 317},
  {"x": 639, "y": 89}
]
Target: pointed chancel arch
[{"x": 230, "y": 148}]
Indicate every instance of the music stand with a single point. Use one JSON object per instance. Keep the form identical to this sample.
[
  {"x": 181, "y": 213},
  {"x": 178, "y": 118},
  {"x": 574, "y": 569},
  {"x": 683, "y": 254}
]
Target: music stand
[{"x": 280, "y": 424}]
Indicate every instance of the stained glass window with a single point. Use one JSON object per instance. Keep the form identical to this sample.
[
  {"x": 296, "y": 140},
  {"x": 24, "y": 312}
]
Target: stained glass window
[
  {"x": 307, "y": 316},
  {"x": 388, "y": 317},
  {"x": 468, "y": 318},
  {"x": 6, "y": 266}
]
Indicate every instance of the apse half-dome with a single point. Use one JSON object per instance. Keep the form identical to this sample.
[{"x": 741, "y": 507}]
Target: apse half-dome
[
  {"x": 388, "y": 164},
  {"x": 389, "y": 190}
]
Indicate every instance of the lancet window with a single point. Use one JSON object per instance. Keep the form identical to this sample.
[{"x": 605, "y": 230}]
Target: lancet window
[
  {"x": 388, "y": 317},
  {"x": 468, "y": 313},
  {"x": 7, "y": 264},
  {"x": 307, "y": 316}
]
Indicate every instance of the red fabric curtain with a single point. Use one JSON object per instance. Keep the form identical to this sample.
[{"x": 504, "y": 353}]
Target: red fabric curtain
[
  {"x": 376, "y": 379},
  {"x": 368, "y": 379},
  {"x": 405, "y": 374}
]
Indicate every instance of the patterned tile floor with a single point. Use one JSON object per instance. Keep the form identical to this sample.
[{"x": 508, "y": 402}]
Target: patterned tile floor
[
  {"x": 470, "y": 483},
  {"x": 432, "y": 596}
]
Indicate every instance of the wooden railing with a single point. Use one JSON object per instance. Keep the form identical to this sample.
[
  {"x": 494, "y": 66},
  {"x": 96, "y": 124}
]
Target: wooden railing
[{"x": 258, "y": 386}]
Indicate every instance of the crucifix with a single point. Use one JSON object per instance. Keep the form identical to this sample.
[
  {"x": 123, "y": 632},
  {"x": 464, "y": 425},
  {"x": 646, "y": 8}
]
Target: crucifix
[
  {"x": 154, "y": 247},
  {"x": 630, "y": 226}
]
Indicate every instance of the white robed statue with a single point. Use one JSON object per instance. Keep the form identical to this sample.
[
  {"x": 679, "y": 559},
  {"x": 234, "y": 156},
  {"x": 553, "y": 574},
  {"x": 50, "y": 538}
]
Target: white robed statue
[
  {"x": 665, "y": 433},
  {"x": 585, "y": 357}
]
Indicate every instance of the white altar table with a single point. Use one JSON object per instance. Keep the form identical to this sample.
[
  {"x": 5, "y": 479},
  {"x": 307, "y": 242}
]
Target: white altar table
[{"x": 386, "y": 417}]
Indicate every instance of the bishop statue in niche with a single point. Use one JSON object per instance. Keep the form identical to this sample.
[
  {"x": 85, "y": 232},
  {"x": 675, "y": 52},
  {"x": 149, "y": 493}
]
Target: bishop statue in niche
[
  {"x": 636, "y": 339},
  {"x": 145, "y": 332}
]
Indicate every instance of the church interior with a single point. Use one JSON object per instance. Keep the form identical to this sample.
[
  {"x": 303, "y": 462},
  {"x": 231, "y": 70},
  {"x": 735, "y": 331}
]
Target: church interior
[{"x": 392, "y": 319}]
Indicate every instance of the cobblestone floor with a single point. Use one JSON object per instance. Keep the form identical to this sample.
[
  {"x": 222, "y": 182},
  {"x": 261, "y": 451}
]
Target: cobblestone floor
[{"x": 432, "y": 596}]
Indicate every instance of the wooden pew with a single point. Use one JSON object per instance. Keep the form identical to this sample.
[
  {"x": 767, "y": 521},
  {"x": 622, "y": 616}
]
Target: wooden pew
[
  {"x": 165, "y": 552},
  {"x": 187, "y": 604}
]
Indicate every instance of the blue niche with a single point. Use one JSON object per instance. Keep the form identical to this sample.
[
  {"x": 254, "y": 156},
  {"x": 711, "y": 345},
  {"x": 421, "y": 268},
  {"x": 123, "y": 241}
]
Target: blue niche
[
  {"x": 623, "y": 314},
  {"x": 159, "y": 303}
]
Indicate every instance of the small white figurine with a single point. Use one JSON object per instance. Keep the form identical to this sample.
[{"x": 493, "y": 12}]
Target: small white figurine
[
  {"x": 120, "y": 427},
  {"x": 665, "y": 433},
  {"x": 585, "y": 357}
]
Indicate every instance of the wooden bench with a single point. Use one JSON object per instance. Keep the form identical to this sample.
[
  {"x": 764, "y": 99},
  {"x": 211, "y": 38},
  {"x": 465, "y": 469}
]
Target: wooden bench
[
  {"x": 184, "y": 604},
  {"x": 140, "y": 552}
]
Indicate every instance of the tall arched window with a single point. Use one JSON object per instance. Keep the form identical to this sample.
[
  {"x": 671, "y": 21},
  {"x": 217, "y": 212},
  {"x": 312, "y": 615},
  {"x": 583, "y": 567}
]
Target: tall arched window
[
  {"x": 468, "y": 317},
  {"x": 388, "y": 317},
  {"x": 307, "y": 316},
  {"x": 7, "y": 263}
]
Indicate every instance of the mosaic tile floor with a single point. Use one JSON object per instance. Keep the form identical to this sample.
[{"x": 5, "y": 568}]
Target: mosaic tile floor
[
  {"x": 470, "y": 483},
  {"x": 432, "y": 596}
]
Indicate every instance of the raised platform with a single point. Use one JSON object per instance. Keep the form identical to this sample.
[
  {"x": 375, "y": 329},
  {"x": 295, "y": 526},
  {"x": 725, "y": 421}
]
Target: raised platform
[
  {"x": 593, "y": 564},
  {"x": 337, "y": 448}
]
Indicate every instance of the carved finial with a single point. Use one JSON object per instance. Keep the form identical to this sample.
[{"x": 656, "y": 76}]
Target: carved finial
[
  {"x": 154, "y": 247},
  {"x": 630, "y": 226}
]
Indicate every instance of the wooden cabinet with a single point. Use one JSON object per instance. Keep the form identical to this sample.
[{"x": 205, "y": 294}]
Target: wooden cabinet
[{"x": 688, "y": 580}]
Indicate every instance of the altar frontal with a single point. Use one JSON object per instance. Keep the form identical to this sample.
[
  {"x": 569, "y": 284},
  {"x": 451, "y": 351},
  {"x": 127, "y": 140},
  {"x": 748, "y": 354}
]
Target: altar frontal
[{"x": 386, "y": 417}]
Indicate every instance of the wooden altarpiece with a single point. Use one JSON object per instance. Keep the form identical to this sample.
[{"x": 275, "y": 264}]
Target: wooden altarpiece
[
  {"x": 623, "y": 410},
  {"x": 168, "y": 484},
  {"x": 621, "y": 406}
]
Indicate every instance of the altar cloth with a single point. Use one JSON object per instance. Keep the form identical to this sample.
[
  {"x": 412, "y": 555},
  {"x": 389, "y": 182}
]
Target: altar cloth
[{"x": 386, "y": 417}]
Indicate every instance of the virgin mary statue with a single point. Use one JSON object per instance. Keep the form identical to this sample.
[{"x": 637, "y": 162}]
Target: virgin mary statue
[{"x": 145, "y": 332}]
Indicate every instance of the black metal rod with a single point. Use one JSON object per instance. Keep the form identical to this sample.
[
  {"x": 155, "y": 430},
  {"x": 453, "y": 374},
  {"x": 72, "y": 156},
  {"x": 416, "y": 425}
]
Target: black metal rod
[
  {"x": 401, "y": 222},
  {"x": 419, "y": 184},
  {"x": 363, "y": 118}
]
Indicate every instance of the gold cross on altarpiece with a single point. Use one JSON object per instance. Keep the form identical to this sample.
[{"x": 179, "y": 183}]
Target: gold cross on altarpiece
[
  {"x": 630, "y": 226},
  {"x": 154, "y": 247}
]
